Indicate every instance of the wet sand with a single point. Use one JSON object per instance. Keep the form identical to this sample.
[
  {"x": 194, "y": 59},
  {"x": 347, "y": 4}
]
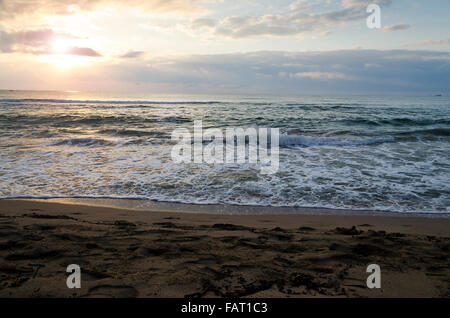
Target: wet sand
[{"x": 131, "y": 253}]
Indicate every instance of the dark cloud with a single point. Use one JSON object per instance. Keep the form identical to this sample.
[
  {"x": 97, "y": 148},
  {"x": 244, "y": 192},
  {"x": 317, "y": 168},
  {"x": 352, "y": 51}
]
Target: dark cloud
[
  {"x": 82, "y": 51},
  {"x": 132, "y": 55},
  {"x": 25, "y": 41},
  {"x": 348, "y": 71},
  {"x": 297, "y": 73}
]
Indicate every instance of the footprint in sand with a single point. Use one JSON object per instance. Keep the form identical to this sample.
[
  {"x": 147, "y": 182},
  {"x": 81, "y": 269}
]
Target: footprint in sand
[{"x": 122, "y": 291}]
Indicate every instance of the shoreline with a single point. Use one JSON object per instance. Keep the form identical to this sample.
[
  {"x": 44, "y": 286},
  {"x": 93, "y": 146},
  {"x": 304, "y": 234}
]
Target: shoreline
[
  {"x": 227, "y": 209},
  {"x": 132, "y": 253},
  {"x": 192, "y": 212}
]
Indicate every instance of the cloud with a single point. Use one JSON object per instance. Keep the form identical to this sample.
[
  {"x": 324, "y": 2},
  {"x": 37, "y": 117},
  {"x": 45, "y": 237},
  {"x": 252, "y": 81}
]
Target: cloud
[
  {"x": 25, "y": 41},
  {"x": 295, "y": 21},
  {"x": 39, "y": 42},
  {"x": 441, "y": 42},
  {"x": 396, "y": 27},
  {"x": 347, "y": 71},
  {"x": 322, "y": 75},
  {"x": 333, "y": 72},
  {"x": 83, "y": 51},
  {"x": 363, "y": 3},
  {"x": 132, "y": 55},
  {"x": 268, "y": 25},
  {"x": 202, "y": 22},
  {"x": 10, "y": 9}
]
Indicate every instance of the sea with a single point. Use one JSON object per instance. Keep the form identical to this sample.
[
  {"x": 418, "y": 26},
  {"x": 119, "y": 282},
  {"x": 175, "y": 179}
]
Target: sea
[{"x": 376, "y": 153}]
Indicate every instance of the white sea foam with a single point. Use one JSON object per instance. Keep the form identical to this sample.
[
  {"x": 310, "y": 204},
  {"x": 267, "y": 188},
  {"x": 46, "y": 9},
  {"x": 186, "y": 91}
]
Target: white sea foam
[{"x": 336, "y": 153}]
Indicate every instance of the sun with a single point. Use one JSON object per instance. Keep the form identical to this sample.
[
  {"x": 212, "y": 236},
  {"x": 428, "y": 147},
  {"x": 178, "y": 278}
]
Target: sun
[
  {"x": 60, "y": 55},
  {"x": 60, "y": 46}
]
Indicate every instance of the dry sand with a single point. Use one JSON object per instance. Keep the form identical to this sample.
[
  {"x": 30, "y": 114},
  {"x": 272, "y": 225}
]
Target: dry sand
[{"x": 129, "y": 253}]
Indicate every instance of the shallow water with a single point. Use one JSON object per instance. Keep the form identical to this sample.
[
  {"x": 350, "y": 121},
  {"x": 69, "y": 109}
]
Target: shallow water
[{"x": 357, "y": 152}]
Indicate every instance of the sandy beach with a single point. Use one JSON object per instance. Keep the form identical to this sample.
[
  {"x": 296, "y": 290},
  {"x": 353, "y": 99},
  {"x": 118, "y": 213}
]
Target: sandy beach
[
  {"x": 129, "y": 253},
  {"x": 192, "y": 152}
]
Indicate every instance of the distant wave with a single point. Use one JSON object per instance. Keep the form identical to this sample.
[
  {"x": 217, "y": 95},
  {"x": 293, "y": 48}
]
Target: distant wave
[
  {"x": 134, "y": 133},
  {"x": 293, "y": 140},
  {"x": 397, "y": 122},
  {"x": 68, "y": 120},
  {"x": 125, "y": 102},
  {"x": 81, "y": 142},
  {"x": 306, "y": 141},
  {"x": 444, "y": 132}
]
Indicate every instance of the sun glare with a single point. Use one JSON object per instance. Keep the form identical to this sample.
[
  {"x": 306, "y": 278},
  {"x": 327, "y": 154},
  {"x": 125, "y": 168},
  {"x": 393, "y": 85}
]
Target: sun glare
[
  {"x": 60, "y": 46},
  {"x": 60, "y": 55},
  {"x": 65, "y": 61}
]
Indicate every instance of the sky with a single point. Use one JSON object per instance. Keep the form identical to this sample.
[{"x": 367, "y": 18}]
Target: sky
[{"x": 225, "y": 46}]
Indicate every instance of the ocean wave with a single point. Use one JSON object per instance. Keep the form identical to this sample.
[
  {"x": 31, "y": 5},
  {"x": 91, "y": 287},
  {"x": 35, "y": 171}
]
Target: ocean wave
[
  {"x": 134, "y": 133},
  {"x": 414, "y": 135},
  {"x": 441, "y": 132},
  {"x": 396, "y": 122},
  {"x": 293, "y": 140},
  {"x": 175, "y": 119},
  {"x": 99, "y": 142},
  {"x": 324, "y": 106},
  {"x": 69, "y": 120},
  {"x": 120, "y": 102},
  {"x": 81, "y": 142},
  {"x": 414, "y": 122}
]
